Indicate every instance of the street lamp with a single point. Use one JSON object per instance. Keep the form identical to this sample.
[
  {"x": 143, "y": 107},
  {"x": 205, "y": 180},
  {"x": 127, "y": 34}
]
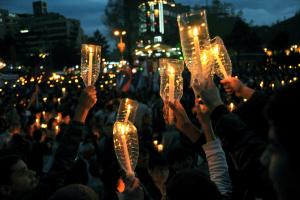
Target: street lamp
[{"x": 121, "y": 44}]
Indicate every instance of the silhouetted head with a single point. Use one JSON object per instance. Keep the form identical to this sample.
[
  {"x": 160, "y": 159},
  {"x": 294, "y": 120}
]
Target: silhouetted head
[
  {"x": 192, "y": 184},
  {"x": 74, "y": 192},
  {"x": 284, "y": 164}
]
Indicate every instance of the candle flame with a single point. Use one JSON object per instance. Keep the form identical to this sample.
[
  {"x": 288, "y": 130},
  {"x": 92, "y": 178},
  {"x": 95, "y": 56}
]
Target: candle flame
[
  {"x": 121, "y": 186},
  {"x": 261, "y": 84},
  {"x": 91, "y": 49},
  {"x": 231, "y": 106},
  {"x": 160, "y": 147}
]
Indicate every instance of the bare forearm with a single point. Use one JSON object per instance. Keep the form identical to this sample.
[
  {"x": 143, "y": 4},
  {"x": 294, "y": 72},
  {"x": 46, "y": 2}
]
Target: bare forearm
[
  {"x": 208, "y": 132},
  {"x": 246, "y": 92},
  {"x": 191, "y": 131},
  {"x": 80, "y": 114}
]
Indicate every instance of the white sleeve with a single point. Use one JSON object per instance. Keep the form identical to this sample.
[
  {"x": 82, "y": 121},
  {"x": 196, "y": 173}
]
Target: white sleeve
[{"x": 217, "y": 166}]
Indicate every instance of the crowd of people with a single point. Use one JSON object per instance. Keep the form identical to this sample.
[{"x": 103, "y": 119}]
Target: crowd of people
[{"x": 58, "y": 144}]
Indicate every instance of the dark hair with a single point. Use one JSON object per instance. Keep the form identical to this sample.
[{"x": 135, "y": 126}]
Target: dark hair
[
  {"x": 192, "y": 184},
  {"x": 74, "y": 192},
  {"x": 50, "y": 123},
  {"x": 282, "y": 111},
  {"x": 156, "y": 160},
  {"x": 179, "y": 153},
  {"x": 37, "y": 135},
  {"x": 6, "y": 162},
  {"x": 3, "y": 124}
]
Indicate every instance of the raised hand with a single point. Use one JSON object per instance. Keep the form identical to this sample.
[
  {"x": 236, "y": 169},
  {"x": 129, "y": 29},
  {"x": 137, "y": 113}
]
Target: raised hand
[
  {"x": 87, "y": 100},
  {"x": 180, "y": 116},
  {"x": 182, "y": 122},
  {"x": 233, "y": 85},
  {"x": 203, "y": 116},
  {"x": 209, "y": 94},
  {"x": 133, "y": 189}
]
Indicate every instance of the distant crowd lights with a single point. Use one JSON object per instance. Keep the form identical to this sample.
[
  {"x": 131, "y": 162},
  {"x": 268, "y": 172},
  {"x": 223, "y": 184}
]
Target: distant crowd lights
[{"x": 293, "y": 48}]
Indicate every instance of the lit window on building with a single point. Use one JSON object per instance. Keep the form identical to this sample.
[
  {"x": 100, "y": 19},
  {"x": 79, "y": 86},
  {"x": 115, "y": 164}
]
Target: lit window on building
[{"x": 157, "y": 39}]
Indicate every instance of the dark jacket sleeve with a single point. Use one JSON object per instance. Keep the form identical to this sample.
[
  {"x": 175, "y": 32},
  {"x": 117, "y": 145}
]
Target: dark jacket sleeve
[
  {"x": 63, "y": 161},
  {"x": 245, "y": 148},
  {"x": 252, "y": 113},
  {"x": 67, "y": 149}
]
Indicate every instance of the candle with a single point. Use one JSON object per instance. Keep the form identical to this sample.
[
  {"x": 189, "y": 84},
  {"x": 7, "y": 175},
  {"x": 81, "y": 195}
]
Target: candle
[
  {"x": 127, "y": 113},
  {"x": 160, "y": 147},
  {"x": 197, "y": 47},
  {"x": 261, "y": 84},
  {"x": 231, "y": 107},
  {"x": 56, "y": 129},
  {"x": 90, "y": 66},
  {"x": 219, "y": 61},
  {"x": 58, "y": 100},
  {"x": 63, "y": 90},
  {"x": 155, "y": 142},
  {"x": 171, "y": 92},
  {"x": 37, "y": 122},
  {"x": 125, "y": 150}
]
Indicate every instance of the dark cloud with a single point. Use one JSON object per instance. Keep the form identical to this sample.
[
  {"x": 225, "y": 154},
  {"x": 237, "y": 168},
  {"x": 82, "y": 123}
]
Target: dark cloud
[
  {"x": 90, "y": 12},
  {"x": 262, "y": 12}
]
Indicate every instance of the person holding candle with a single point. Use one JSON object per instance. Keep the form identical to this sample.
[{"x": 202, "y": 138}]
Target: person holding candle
[
  {"x": 243, "y": 144},
  {"x": 217, "y": 165},
  {"x": 280, "y": 156},
  {"x": 19, "y": 182},
  {"x": 251, "y": 111}
]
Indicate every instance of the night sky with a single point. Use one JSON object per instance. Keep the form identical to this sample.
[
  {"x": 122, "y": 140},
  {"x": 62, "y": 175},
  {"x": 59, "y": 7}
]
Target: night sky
[{"x": 90, "y": 12}]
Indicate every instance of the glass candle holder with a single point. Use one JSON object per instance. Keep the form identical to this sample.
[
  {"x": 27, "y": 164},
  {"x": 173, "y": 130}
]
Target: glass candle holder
[
  {"x": 223, "y": 66},
  {"x": 195, "y": 43},
  {"x": 171, "y": 82},
  {"x": 127, "y": 110},
  {"x": 90, "y": 63},
  {"x": 126, "y": 145}
]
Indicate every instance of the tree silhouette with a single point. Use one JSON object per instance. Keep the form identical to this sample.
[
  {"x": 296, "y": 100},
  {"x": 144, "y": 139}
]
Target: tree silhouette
[
  {"x": 64, "y": 55},
  {"x": 243, "y": 38},
  {"x": 99, "y": 39},
  {"x": 280, "y": 41}
]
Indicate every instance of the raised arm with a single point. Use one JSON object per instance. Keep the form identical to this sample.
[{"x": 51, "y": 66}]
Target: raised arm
[
  {"x": 68, "y": 147},
  {"x": 183, "y": 123},
  {"x": 233, "y": 85}
]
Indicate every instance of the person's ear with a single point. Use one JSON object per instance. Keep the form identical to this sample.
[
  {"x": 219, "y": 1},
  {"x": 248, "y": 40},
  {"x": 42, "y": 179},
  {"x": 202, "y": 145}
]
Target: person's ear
[{"x": 5, "y": 190}]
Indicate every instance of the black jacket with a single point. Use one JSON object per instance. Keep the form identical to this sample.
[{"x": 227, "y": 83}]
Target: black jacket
[{"x": 244, "y": 148}]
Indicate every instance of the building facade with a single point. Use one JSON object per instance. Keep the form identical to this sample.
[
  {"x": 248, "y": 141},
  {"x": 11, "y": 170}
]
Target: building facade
[
  {"x": 42, "y": 30},
  {"x": 38, "y": 34},
  {"x": 8, "y": 22},
  {"x": 158, "y": 30},
  {"x": 158, "y": 20}
]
